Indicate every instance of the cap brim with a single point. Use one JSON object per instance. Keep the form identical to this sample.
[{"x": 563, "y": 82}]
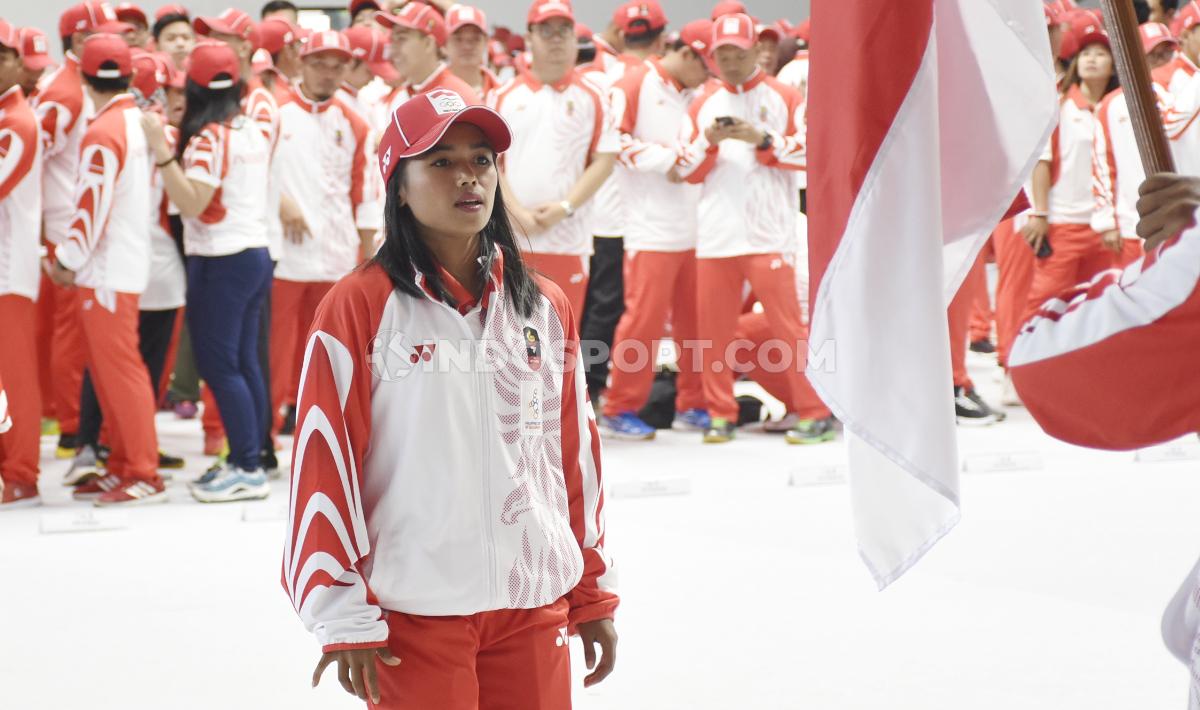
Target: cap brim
[
  {"x": 384, "y": 70},
  {"x": 1094, "y": 38},
  {"x": 451, "y": 30},
  {"x": 495, "y": 130},
  {"x": 37, "y": 63},
  {"x": 560, "y": 14},
  {"x": 115, "y": 28},
  {"x": 208, "y": 25},
  {"x": 739, "y": 42},
  {"x": 344, "y": 53},
  {"x": 1150, "y": 46}
]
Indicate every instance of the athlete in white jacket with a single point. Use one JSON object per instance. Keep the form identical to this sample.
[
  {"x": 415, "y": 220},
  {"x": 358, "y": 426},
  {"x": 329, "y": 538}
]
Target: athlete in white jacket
[{"x": 446, "y": 514}]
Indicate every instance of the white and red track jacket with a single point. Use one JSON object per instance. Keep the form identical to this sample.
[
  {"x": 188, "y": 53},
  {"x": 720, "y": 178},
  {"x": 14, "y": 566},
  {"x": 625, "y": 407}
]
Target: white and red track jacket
[
  {"x": 608, "y": 210},
  {"x": 749, "y": 201},
  {"x": 1149, "y": 313},
  {"x": 1069, "y": 153},
  {"x": 108, "y": 244},
  {"x": 1116, "y": 168},
  {"x": 1181, "y": 79},
  {"x": 556, "y": 131},
  {"x": 795, "y": 74},
  {"x": 63, "y": 108},
  {"x": 323, "y": 164},
  {"x": 167, "y": 288},
  {"x": 20, "y": 196},
  {"x": 5, "y": 418},
  {"x": 650, "y": 109},
  {"x": 446, "y": 463},
  {"x": 233, "y": 158},
  {"x": 441, "y": 78},
  {"x": 260, "y": 105}
]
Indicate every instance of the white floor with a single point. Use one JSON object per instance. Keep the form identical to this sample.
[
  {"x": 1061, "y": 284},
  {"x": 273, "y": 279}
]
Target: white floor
[{"x": 746, "y": 593}]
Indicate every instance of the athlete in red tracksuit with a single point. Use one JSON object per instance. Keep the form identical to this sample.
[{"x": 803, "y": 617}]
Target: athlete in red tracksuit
[
  {"x": 650, "y": 104},
  {"x": 446, "y": 529},
  {"x": 20, "y": 210},
  {"x": 322, "y": 165},
  {"x": 1147, "y": 315},
  {"x": 746, "y": 145}
]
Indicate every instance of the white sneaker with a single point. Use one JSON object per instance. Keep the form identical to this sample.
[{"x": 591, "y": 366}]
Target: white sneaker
[
  {"x": 1009, "y": 396},
  {"x": 232, "y": 484}
]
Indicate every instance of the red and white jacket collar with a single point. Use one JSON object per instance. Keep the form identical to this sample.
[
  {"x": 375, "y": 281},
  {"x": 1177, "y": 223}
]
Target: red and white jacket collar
[
  {"x": 464, "y": 298},
  {"x": 119, "y": 102},
  {"x": 306, "y": 103},
  {"x": 758, "y": 77}
]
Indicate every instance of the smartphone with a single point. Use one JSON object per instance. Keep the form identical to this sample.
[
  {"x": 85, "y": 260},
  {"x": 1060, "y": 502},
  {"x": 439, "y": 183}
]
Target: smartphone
[
  {"x": 725, "y": 121},
  {"x": 1044, "y": 250}
]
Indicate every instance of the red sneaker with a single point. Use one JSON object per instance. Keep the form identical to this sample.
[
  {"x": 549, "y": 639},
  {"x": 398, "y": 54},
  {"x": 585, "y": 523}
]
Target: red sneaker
[
  {"x": 16, "y": 495},
  {"x": 96, "y": 487},
  {"x": 134, "y": 492}
]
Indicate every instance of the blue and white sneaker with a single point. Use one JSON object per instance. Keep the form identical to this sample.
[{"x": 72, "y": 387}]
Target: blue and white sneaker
[
  {"x": 232, "y": 484},
  {"x": 210, "y": 474},
  {"x": 628, "y": 426},
  {"x": 691, "y": 420}
]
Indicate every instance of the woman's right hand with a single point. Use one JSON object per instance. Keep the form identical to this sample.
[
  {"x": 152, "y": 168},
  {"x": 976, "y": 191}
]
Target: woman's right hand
[
  {"x": 156, "y": 138},
  {"x": 356, "y": 670},
  {"x": 295, "y": 229},
  {"x": 1035, "y": 231}
]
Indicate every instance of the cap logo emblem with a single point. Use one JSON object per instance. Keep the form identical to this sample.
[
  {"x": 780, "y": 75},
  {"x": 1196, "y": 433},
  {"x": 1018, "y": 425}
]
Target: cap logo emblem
[
  {"x": 730, "y": 26},
  {"x": 387, "y": 159},
  {"x": 445, "y": 101}
]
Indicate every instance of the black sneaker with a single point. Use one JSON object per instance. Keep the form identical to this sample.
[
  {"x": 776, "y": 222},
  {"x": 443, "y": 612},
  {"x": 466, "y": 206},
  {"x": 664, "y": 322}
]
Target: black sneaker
[
  {"x": 270, "y": 464},
  {"x": 68, "y": 444},
  {"x": 971, "y": 410},
  {"x": 289, "y": 422},
  {"x": 170, "y": 462}
]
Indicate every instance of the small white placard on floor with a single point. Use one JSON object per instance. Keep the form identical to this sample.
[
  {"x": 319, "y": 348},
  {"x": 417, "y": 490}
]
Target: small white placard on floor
[
  {"x": 1181, "y": 450},
  {"x": 1002, "y": 462},
  {"x": 83, "y": 521},
  {"x": 817, "y": 476},
  {"x": 264, "y": 512},
  {"x": 651, "y": 487}
]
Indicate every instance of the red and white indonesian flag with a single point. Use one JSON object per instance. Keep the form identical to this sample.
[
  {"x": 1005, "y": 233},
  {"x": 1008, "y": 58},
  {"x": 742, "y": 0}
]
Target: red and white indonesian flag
[{"x": 926, "y": 117}]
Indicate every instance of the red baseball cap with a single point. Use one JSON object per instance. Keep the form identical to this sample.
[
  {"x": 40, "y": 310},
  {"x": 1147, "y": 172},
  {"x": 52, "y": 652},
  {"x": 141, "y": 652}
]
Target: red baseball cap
[
  {"x": 803, "y": 31},
  {"x": 356, "y": 5},
  {"x": 728, "y": 7},
  {"x": 1155, "y": 34},
  {"x": 209, "y": 60},
  {"x": 170, "y": 10},
  {"x": 327, "y": 41},
  {"x": 1078, "y": 22},
  {"x": 419, "y": 123},
  {"x": 176, "y": 79},
  {"x": 230, "y": 22},
  {"x": 35, "y": 50},
  {"x": 698, "y": 34},
  {"x": 640, "y": 17},
  {"x": 737, "y": 29},
  {"x": 261, "y": 61},
  {"x": 460, "y": 16},
  {"x": 149, "y": 72},
  {"x": 544, "y": 10},
  {"x": 275, "y": 33},
  {"x": 10, "y": 37},
  {"x": 769, "y": 32},
  {"x": 102, "y": 48},
  {"x": 374, "y": 48},
  {"x": 90, "y": 16},
  {"x": 1186, "y": 18},
  {"x": 416, "y": 16},
  {"x": 1093, "y": 34},
  {"x": 128, "y": 12}
]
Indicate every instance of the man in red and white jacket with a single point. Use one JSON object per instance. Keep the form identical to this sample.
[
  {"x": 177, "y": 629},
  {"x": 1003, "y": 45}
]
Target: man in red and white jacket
[
  {"x": 63, "y": 109},
  {"x": 372, "y": 61},
  {"x": 1181, "y": 79},
  {"x": 323, "y": 166},
  {"x": 418, "y": 33},
  {"x": 650, "y": 106},
  {"x": 746, "y": 146},
  {"x": 20, "y": 209},
  {"x": 106, "y": 255},
  {"x": 564, "y": 148},
  {"x": 1148, "y": 315},
  {"x": 466, "y": 48}
]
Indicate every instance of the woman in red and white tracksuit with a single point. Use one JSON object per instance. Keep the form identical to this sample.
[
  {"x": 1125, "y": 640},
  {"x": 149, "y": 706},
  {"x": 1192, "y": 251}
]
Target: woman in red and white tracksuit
[
  {"x": 1060, "y": 227},
  {"x": 446, "y": 529}
]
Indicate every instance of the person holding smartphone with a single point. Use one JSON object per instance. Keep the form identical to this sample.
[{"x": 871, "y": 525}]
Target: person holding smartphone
[{"x": 446, "y": 528}]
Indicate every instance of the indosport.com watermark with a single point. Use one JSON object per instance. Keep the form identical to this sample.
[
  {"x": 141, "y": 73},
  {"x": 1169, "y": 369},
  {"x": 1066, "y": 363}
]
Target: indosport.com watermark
[{"x": 393, "y": 356}]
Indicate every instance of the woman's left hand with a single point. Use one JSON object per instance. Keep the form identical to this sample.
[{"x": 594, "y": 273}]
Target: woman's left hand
[
  {"x": 1112, "y": 240},
  {"x": 152, "y": 126},
  {"x": 600, "y": 631},
  {"x": 549, "y": 214}
]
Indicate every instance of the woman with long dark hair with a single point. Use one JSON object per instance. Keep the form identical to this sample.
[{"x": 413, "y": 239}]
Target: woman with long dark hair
[
  {"x": 1059, "y": 228},
  {"x": 217, "y": 177},
  {"x": 446, "y": 530}
]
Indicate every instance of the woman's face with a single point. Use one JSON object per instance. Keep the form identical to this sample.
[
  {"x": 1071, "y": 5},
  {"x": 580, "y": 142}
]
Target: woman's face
[
  {"x": 452, "y": 188},
  {"x": 176, "y": 39},
  {"x": 176, "y": 104},
  {"x": 1095, "y": 63}
]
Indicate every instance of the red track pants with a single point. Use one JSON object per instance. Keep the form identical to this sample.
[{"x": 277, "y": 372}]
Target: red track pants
[
  {"x": 511, "y": 659},
  {"x": 657, "y": 284}
]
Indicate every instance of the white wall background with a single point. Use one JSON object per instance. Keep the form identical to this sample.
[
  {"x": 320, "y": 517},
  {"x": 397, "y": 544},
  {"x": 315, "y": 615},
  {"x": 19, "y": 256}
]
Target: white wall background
[{"x": 595, "y": 13}]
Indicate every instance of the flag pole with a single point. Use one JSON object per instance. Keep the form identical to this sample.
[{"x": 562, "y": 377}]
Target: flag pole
[{"x": 1131, "y": 66}]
